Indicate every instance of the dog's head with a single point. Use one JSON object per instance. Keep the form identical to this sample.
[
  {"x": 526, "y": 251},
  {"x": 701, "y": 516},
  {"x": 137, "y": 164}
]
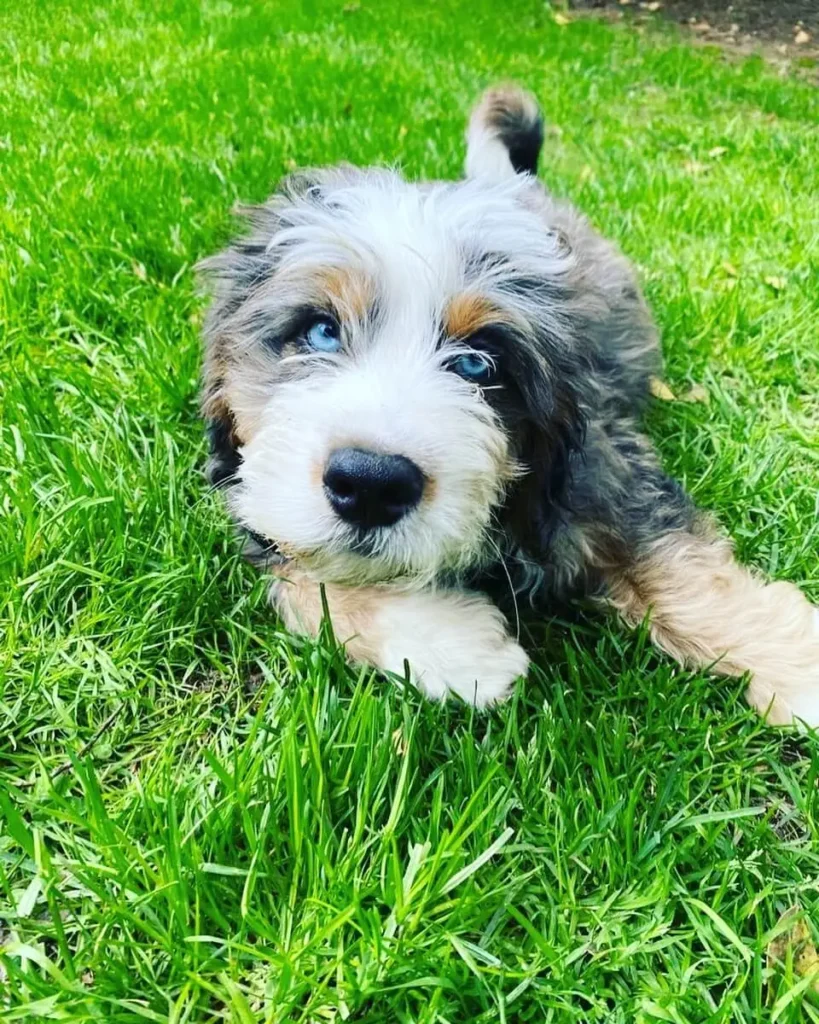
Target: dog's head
[{"x": 390, "y": 366}]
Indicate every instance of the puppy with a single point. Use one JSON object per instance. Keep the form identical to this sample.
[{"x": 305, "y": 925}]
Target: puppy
[{"x": 420, "y": 395}]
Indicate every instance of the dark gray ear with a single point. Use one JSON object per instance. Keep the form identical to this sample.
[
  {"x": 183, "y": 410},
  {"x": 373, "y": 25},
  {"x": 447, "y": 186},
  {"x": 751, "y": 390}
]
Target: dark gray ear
[
  {"x": 231, "y": 277},
  {"x": 225, "y": 456}
]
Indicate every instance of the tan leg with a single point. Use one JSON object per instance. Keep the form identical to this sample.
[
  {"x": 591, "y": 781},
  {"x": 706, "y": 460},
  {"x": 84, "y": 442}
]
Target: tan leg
[
  {"x": 452, "y": 641},
  {"x": 704, "y": 608}
]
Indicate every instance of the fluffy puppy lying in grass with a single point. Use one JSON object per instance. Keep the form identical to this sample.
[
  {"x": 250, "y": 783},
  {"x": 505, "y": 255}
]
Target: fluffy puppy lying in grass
[{"x": 419, "y": 395}]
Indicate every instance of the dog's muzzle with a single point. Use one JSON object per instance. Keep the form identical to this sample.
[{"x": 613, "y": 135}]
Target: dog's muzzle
[{"x": 368, "y": 489}]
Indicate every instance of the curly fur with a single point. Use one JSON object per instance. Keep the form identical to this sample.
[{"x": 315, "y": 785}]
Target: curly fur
[{"x": 539, "y": 484}]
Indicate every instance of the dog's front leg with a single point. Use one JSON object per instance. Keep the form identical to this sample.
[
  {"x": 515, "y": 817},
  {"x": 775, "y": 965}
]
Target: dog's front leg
[{"x": 452, "y": 640}]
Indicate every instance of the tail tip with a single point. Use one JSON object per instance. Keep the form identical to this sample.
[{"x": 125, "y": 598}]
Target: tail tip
[{"x": 509, "y": 116}]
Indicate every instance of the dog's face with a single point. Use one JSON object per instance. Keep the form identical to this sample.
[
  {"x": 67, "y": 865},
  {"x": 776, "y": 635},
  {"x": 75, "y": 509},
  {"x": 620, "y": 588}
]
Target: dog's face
[{"x": 386, "y": 362}]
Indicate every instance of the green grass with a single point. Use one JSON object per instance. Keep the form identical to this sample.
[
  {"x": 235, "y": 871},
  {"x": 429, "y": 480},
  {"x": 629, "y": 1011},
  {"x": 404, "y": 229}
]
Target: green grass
[{"x": 204, "y": 819}]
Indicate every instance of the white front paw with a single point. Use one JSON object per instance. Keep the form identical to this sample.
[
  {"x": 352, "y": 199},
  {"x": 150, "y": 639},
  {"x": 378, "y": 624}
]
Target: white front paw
[
  {"x": 480, "y": 675},
  {"x": 452, "y": 642},
  {"x": 795, "y": 699},
  {"x": 804, "y": 708},
  {"x": 804, "y": 702}
]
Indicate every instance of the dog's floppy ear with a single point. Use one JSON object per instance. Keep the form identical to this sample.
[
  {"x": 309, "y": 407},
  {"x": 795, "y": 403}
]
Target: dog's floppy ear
[
  {"x": 505, "y": 134},
  {"x": 232, "y": 276}
]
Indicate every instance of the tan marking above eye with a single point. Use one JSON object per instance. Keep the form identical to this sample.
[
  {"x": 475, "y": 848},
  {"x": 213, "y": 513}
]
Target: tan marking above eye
[
  {"x": 466, "y": 314},
  {"x": 349, "y": 291}
]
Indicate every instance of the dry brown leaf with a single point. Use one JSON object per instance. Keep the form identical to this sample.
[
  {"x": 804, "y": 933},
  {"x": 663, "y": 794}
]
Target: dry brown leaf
[
  {"x": 802, "y": 37},
  {"x": 795, "y": 939},
  {"x": 777, "y": 283},
  {"x": 696, "y": 393},
  {"x": 625, "y": 3},
  {"x": 694, "y": 167},
  {"x": 661, "y": 390},
  {"x": 654, "y": 5},
  {"x": 700, "y": 26},
  {"x": 399, "y": 742}
]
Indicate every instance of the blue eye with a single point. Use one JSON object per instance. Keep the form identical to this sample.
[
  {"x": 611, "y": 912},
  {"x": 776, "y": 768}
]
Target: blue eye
[
  {"x": 474, "y": 366},
  {"x": 323, "y": 335}
]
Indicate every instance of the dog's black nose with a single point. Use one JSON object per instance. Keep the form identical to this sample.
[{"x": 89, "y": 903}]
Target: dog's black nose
[{"x": 369, "y": 489}]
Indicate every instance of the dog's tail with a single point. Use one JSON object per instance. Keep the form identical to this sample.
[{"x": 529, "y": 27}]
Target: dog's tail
[{"x": 505, "y": 134}]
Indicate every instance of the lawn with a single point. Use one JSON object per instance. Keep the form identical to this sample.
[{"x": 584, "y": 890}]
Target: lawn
[{"x": 203, "y": 819}]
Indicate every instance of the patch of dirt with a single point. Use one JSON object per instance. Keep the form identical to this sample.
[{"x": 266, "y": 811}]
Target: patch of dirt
[{"x": 786, "y": 32}]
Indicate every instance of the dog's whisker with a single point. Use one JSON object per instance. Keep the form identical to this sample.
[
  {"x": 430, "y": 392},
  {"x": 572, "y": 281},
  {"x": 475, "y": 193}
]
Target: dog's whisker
[
  {"x": 223, "y": 482},
  {"x": 502, "y": 562}
]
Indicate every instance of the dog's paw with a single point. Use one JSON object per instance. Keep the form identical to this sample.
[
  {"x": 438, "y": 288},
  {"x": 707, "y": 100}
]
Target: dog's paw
[
  {"x": 452, "y": 642},
  {"x": 794, "y": 700},
  {"x": 804, "y": 702},
  {"x": 482, "y": 675}
]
